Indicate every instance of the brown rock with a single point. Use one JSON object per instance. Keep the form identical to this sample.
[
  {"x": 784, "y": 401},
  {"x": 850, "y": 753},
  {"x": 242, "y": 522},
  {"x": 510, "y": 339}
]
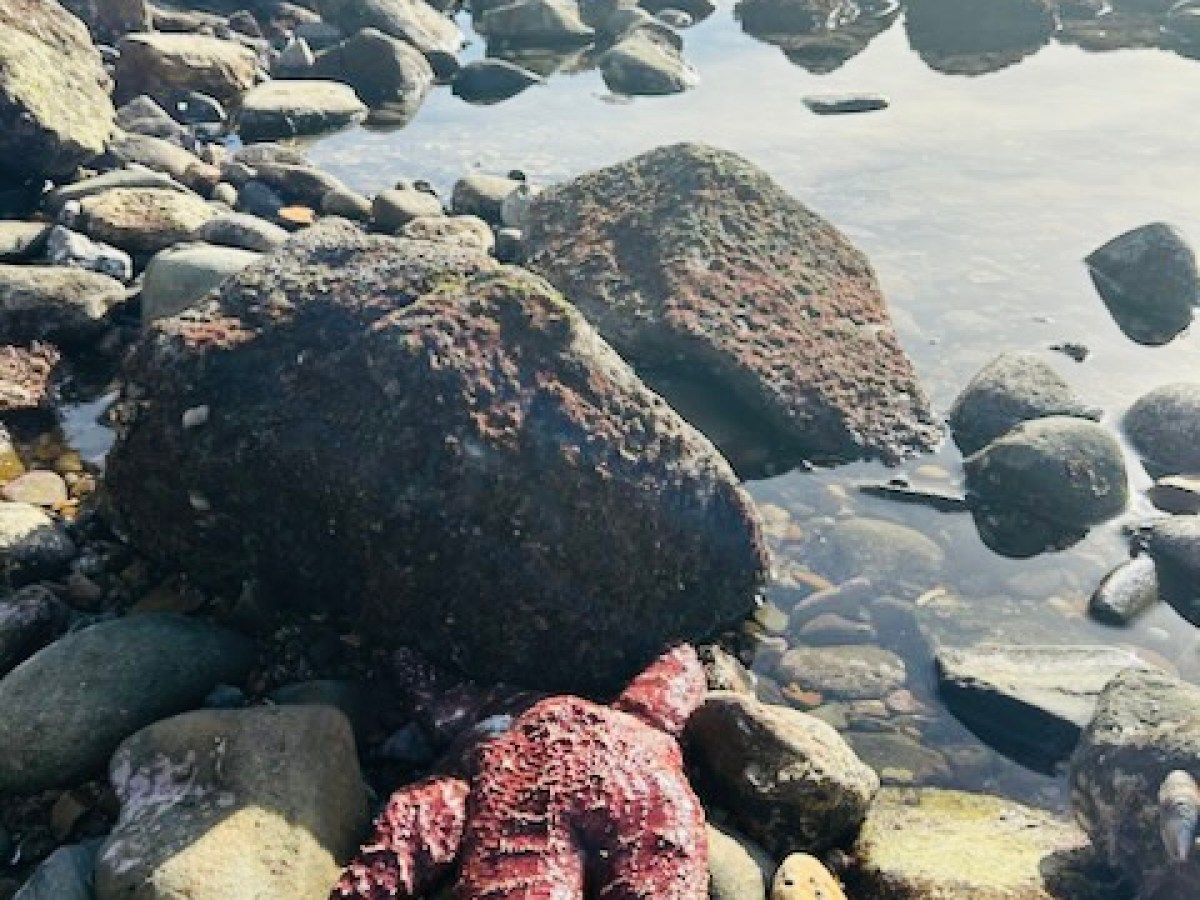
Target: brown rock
[
  {"x": 25, "y": 376},
  {"x": 143, "y": 221},
  {"x": 159, "y": 64}
]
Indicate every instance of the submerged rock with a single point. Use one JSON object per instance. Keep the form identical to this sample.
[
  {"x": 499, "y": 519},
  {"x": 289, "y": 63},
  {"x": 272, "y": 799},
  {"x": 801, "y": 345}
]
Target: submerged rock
[
  {"x": 1164, "y": 427},
  {"x": 1126, "y": 592},
  {"x": 851, "y": 672},
  {"x": 263, "y": 802},
  {"x": 1011, "y": 389},
  {"x": 788, "y": 779},
  {"x": 886, "y": 553},
  {"x": 693, "y": 262},
  {"x": 511, "y": 475},
  {"x": 970, "y": 37}
]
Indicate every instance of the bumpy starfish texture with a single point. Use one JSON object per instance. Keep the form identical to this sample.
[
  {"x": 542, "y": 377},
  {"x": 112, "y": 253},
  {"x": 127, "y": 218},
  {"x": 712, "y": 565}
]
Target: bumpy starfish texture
[{"x": 574, "y": 798}]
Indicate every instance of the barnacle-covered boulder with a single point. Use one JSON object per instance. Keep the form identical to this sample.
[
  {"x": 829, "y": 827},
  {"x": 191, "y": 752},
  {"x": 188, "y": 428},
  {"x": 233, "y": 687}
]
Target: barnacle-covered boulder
[{"x": 439, "y": 447}]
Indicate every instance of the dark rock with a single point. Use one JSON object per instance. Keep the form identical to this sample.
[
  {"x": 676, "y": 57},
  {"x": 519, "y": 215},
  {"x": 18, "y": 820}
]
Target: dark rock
[
  {"x": 551, "y": 492},
  {"x": 853, "y": 672},
  {"x": 644, "y": 65},
  {"x": 64, "y": 710},
  {"x": 1176, "y": 494},
  {"x": 21, "y": 241},
  {"x": 58, "y": 304},
  {"x": 841, "y": 104},
  {"x": 885, "y": 553},
  {"x": 808, "y": 346},
  {"x": 32, "y": 544},
  {"x": 380, "y": 68},
  {"x": 143, "y": 115},
  {"x": 258, "y": 199},
  {"x": 1148, "y": 280},
  {"x": 66, "y": 874},
  {"x": 54, "y": 107},
  {"x": 1147, "y": 724},
  {"x": 793, "y": 16},
  {"x": 163, "y": 65},
  {"x": 697, "y": 9},
  {"x": 1164, "y": 427},
  {"x": 413, "y": 21},
  {"x": 1174, "y": 545},
  {"x": 283, "y": 109},
  {"x": 538, "y": 23},
  {"x": 1125, "y": 593},
  {"x": 29, "y": 619},
  {"x": 109, "y": 20},
  {"x": 69, "y": 248},
  {"x": 1011, "y": 389},
  {"x": 482, "y": 196},
  {"x": 970, "y": 37},
  {"x": 300, "y": 184},
  {"x": 198, "y": 108},
  {"x": 355, "y": 700},
  {"x": 1031, "y": 702},
  {"x": 675, "y": 18},
  {"x": 788, "y": 779},
  {"x": 295, "y": 60}
]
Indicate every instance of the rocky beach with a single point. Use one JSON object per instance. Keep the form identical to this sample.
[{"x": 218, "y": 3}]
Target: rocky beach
[{"x": 532, "y": 449}]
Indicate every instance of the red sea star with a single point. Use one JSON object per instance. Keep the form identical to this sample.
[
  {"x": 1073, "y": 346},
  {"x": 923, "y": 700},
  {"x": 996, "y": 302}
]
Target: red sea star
[{"x": 573, "y": 800}]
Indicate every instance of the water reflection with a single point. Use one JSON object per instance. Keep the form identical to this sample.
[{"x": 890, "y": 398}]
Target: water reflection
[{"x": 971, "y": 37}]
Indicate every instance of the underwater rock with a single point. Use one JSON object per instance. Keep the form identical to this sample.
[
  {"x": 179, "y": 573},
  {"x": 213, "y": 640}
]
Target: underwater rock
[
  {"x": 971, "y": 37},
  {"x": 410, "y": 432},
  {"x": 487, "y": 81}
]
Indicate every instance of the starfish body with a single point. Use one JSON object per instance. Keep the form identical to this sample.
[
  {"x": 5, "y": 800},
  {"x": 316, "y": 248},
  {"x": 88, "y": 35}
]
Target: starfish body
[{"x": 573, "y": 800}]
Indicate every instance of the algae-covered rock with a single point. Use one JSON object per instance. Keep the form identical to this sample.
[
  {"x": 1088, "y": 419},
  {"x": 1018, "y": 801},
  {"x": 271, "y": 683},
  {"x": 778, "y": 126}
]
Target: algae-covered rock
[
  {"x": 692, "y": 262},
  {"x": 160, "y": 65},
  {"x": 439, "y": 447}
]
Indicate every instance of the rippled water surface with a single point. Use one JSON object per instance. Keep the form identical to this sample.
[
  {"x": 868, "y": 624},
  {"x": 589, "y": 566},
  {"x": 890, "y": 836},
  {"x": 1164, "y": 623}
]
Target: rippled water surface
[{"x": 976, "y": 198}]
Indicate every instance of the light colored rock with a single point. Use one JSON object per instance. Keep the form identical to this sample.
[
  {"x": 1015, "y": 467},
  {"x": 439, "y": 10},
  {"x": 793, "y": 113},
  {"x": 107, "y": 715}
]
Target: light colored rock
[
  {"x": 40, "y": 487},
  {"x": 410, "y": 20},
  {"x": 31, "y": 544},
  {"x": 854, "y": 672},
  {"x": 803, "y": 877},
  {"x": 143, "y": 221},
  {"x": 55, "y": 303},
  {"x": 158, "y": 64},
  {"x": 482, "y": 196},
  {"x": 57, "y": 199},
  {"x": 536, "y": 23},
  {"x": 26, "y": 382},
  {"x": 215, "y": 804},
  {"x": 737, "y": 869},
  {"x": 886, "y": 553},
  {"x": 290, "y": 108},
  {"x": 69, "y": 248},
  {"x": 644, "y": 65},
  {"x": 393, "y": 209},
  {"x": 181, "y": 276},
  {"x": 22, "y": 240},
  {"x": 242, "y": 231},
  {"x": 466, "y": 231}
]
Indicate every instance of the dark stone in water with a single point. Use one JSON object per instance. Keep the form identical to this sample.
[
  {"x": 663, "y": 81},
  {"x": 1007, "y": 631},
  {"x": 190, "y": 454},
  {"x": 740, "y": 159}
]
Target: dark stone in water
[
  {"x": 970, "y": 37},
  {"x": 1164, "y": 426},
  {"x": 1174, "y": 545},
  {"x": 835, "y": 104},
  {"x": 1126, "y": 592},
  {"x": 490, "y": 81}
]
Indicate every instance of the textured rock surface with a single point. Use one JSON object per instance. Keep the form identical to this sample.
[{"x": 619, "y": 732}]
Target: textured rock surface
[
  {"x": 737, "y": 869},
  {"x": 27, "y": 375},
  {"x": 109, "y": 20},
  {"x": 843, "y": 673},
  {"x": 65, "y": 875},
  {"x": 143, "y": 221},
  {"x": 886, "y": 553},
  {"x": 691, "y": 253},
  {"x": 789, "y": 780},
  {"x": 1146, "y": 725},
  {"x": 644, "y": 65},
  {"x": 55, "y": 303},
  {"x": 1174, "y": 545},
  {"x": 158, "y": 65},
  {"x": 411, "y": 20},
  {"x": 263, "y": 802},
  {"x": 1164, "y": 426},
  {"x": 29, "y": 619},
  {"x": 1012, "y": 388},
  {"x": 969, "y": 37},
  {"x": 54, "y": 110},
  {"x": 931, "y": 844},
  {"x": 283, "y": 109},
  {"x": 512, "y": 476},
  {"x": 32, "y": 544},
  {"x": 64, "y": 710},
  {"x": 379, "y": 67}
]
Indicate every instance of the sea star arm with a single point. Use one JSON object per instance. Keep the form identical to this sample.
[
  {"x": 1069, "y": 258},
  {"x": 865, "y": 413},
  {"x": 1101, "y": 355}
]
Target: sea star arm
[
  {"x": 415, "y": 842},
  {"x": 667, "y": 692}
]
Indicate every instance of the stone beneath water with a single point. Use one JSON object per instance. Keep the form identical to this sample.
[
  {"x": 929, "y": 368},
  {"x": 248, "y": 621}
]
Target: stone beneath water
[
  {"x": 1147, "y": 724},
  {"x": 841, "y": 104},
  {"x": 1029, "y": 701},
  {"x": 1011, "y": 389},
  {"x": 970, "y": 37},
  {"x": 886, "y": 553},
  {"x": 64, "y": 710},
  {"x": 512, "y": 478},
  {"x": 930, "y": 844},
  {"x": 694, "y": 263},
  {"x": 263, "y": 802},
  {"x": 851, "y": 672},
  {"x": 282, "y": 109},
  {"x": 1164, "y": 427},
  {"x": 789, "y": 780}
]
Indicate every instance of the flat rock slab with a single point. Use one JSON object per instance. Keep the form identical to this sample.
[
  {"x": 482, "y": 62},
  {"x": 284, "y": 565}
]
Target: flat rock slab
[
  {"x": 64, "y": 710},
  {"x": 215, "y": 804},
  {"x": 289, "y": 108},
  {"x": 842, "y": 104},
  {"x": 689, "y": 257},
  {"x": 1032, "y": 701},
  {"x": 929, "y": 844}
]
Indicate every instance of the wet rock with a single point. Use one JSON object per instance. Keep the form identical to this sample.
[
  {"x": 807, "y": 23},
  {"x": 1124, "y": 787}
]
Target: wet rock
[
  {"x": 290, "y": 108},
  {"x": 853, "y": 672},
  {"x": 69, "y": 248},
  {"x": 109, "y": 20},
  {"x": 1164, "y": 427},
  {"x": 792, "y": 16},
  {"x": 803, "y": 877},
  {"x": 64, "y": 710},
  {"x": 514, "y": 208},
  {"x": 920, "y": 844},
  {"x": 198, "y": 108},
  {"x": 26, "y": 381},
  {"x": 1147, "y": 724},
  {"x": 143, "y": 221},
  {"x": 380, "y": 68},
  {"x": 66, "y": 874},
  {"x": 482, "y": 196},
  {"x": 469, "y": 232},
  {"x": 788, "y": 779},
  {"x": 536, "y": 23},
  {"x": 1176, "y": 494},
  {"x": 181, "y": 276},
  {"x": 737, "y": 869},
  {"x": 263, "y": 802},
  {"x": 488, "y": 81},
  {"x": 885, "y": 553},
  {"x": 143, "y": 115},
  {"x": 1174, "y": 545},
  {"x": 347, "y": 204},
  {"x": 516, "y": 462},
  {"x": 1148, "y": 280},
  {"x": 242, "y": 231},
  {"x": 977, "y": 36},
  {"x": 897, "y": 757},
  {"x": 676, "y": 18},
  {"x": 413, "y": 21},
  {"x": 1063, "y": 471},
  {"x": 40, "y": 487},
  {"x": 842, "y": 104},
  {"x": 393, "y": 209},
  {"x": 643, "y": 65},
  {"x": 621, "y": 243},
  {"x": 1029, "y": 701},
  {"x": 159, "y": 65},
  {"x": 626, "y": 20},
  {"x": 20, "y": 241},
  {"x": 29, "y": 619},
  {"x": 1011, "y": 389},
  {"x": 54, "y": 107},
  {"x": 1125, "y": 593},
  {"x": 54, "y": 303}
]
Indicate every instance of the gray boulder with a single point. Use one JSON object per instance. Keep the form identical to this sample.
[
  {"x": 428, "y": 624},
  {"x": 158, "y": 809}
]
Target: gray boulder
[
  {"x": 159, "y": 65},
  {"x": 487, "y": 81},
  {"x": 849, "y": 672},
  {"x": 69, "y": 248},
  {"x": 64, "y": 710},
  {"x": 55, "y": 303},
  {"x": 789, "y": 780},
  {"x": 1164, "y": 427},
  {"x": 179, "y": 277},
  {"x": 283, "y": 109},
  {"x": 242, "y": 231},
  {"x": 482, "y": 196},
  {"x": 886, "y": 553},
  {"x": 393, "y": 209},
  {"x": 413, "y": 21},
  {"x": 263, "y": 802},
  {"x": 1174, "y": 545},
  {"x": 143, "y": 115},
  {"x": 1011, "y": 389},
  {"x": 60, "y": 197},
  {"x": 561, "y": 503},
  {"x": 143, "y": 220},
  {"x": 643, "y": 64},
  {"x": 381, "y": 69},
  {"x": 536, "y": 23}
]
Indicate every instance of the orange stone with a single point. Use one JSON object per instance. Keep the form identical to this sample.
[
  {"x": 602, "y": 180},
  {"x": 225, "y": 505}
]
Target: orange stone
[{"x": 803, "y": 877}]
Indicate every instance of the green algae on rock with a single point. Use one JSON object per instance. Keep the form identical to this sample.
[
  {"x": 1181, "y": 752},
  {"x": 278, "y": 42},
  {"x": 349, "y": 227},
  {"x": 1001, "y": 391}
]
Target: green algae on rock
[
  {"x": 440, "y": 448},
  {"x": 691, "y": 258}
]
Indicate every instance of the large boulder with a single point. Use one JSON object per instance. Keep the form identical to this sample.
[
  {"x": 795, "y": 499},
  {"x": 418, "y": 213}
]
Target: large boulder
[
  {"x": 691, "y": 260},
  {"x": 1147, "y": 724},
  {"x": 160, "y": 65},
  {"x": 55, "y": 112},
  {"x": 414, "y": 21},
  {"x": 110, "y": 20},
  {"x": 143, "y": 221},
  {"x": 1164, "y": 427},
  {"x": 55, "y": 303},
  {"x": 284, "y": 109},
  {"x": 380, "y": 68},
  {"x": 970, "y": 37},
  {"x": 440, "y": 446}
]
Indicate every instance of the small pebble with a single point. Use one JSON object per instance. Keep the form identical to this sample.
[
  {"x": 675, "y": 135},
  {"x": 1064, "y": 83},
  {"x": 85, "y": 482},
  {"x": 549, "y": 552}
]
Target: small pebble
[{"x": 804, "y": 877}]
